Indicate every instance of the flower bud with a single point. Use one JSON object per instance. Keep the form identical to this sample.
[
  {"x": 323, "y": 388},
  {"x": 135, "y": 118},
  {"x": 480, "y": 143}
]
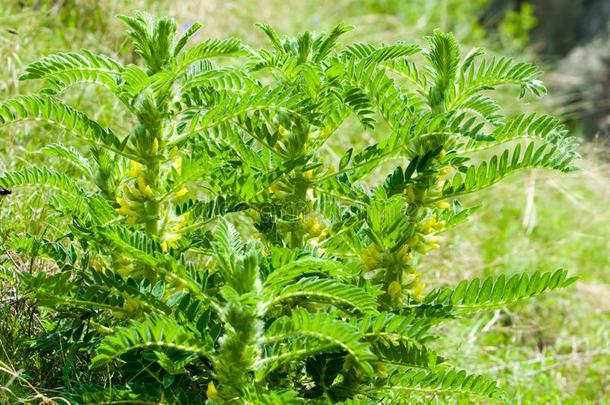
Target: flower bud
[
  {"x": 394, "y": 289},
  {"x": 155, "y": 146}
]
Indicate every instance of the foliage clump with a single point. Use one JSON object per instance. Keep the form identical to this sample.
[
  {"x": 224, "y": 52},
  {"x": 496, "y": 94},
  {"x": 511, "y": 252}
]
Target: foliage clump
[{"x": 221, "y": 251}]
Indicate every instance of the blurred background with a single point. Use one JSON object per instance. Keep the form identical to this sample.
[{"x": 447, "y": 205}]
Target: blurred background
[{"x": 555, "y": 350}]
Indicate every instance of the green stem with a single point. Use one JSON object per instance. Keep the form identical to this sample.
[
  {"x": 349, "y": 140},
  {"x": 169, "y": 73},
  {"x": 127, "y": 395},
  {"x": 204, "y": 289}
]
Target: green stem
[{"x": 153, "y": 206}]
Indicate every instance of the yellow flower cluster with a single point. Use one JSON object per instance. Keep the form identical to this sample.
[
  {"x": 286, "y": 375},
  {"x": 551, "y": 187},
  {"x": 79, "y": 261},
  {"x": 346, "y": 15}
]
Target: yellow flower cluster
[
  {"x": 132, "y": 204},
  {"x": 314, "y": 227},
  {"x": 400, "y": 262},
  {"x": 372, "y": 258},
  {"x": 431, "y": 225}
]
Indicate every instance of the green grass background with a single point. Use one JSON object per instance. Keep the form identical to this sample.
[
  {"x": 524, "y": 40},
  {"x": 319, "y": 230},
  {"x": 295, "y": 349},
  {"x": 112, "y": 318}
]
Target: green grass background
[{"x": 553, "y": 350}]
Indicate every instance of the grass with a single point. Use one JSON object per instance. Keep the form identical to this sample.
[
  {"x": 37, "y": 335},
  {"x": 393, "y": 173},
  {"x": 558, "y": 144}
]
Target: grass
[{"x": 554, "y": 350}]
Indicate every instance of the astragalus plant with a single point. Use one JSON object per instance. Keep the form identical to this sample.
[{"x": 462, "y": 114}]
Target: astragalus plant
[{"x": 226, "y": 250}]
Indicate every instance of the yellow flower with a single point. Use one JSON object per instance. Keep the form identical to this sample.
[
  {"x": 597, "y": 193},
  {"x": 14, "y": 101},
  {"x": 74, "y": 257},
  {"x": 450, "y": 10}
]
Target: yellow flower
[
  {"x": 173, "y": 152},
  {"x": 443, "y": 205},
  {"x": 144, "y": 188},
  {"x": 434, "y": 245},
  {"x": 274, "y": 188},
  {"x": 169, "y": 240},
  {"x": 404, "y": 254},
  {"x": 428, "y": 225},
  {"x": 126, "y": 209},
  {"x": 212, "y": 392},
  {"x": 282, "y": 130},
  {"x": 135, "y": 169},
  {"x": 141, "y": 183},
  {"x": 132, "y": 192},
  {"x": 155, "y": 146},
  {"x": 185, "y": 218},
  {"x": 124, "y": 206},
  {"x": 313, "y": 227},
  {"x": 279, "y": 189},
  {"x": 177, "y": 164},
  {"x": 182, "y": 192},
  {"x": 418, "y": 292},
  {"x": 410, "y": 194},
  {"x": 430, "y": 244},
  {"x": 394, "y": 289},
  {"x": 280, "y": 146}
]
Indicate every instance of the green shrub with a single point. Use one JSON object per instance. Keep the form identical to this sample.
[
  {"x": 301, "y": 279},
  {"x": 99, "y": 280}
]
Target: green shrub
[{"x": 222, "y": 251}]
